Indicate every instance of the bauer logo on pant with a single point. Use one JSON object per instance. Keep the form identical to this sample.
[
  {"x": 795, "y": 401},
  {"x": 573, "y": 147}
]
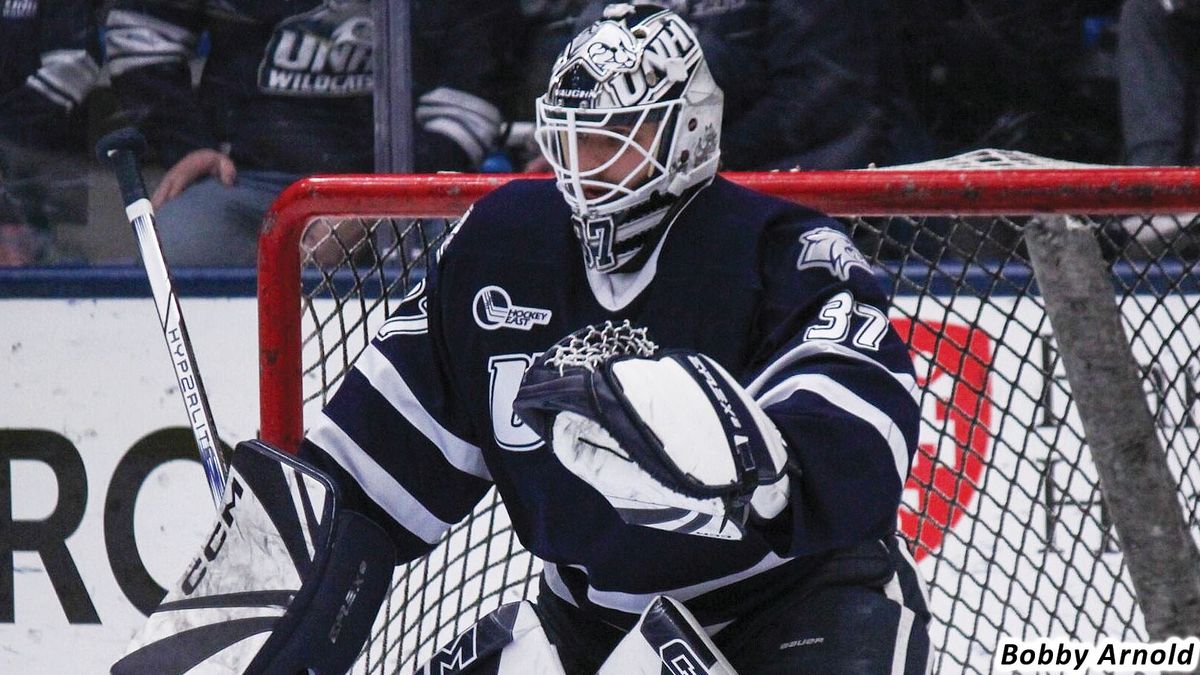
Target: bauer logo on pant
[{"x": 494, "y": 309}]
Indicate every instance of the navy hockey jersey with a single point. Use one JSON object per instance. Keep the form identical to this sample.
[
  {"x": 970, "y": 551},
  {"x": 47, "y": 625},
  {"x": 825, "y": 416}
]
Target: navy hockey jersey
[{"x": 774, "y": 292}]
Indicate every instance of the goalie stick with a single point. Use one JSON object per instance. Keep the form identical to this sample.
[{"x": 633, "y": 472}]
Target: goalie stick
[
  {"x": 288, "y": 581},
  {"x": 122, "y": 149}
]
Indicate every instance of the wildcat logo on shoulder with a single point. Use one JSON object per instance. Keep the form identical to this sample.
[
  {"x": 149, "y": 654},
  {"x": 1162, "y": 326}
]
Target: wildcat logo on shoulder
[{"x": 831, "y": 249}]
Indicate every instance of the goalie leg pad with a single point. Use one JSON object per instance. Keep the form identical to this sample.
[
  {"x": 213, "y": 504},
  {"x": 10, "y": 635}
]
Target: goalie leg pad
[
  {"x": 286, "y": 581},
  {"x": 508, "y": 641},
  {"x": 666, "y": 639}
]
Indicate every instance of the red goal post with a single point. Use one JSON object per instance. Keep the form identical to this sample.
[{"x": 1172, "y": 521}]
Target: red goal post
[{"x": 1003, "y": 484}]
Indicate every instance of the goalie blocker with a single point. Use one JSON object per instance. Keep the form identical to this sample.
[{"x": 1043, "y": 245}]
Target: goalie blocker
[{"x": 288, "y": 581}]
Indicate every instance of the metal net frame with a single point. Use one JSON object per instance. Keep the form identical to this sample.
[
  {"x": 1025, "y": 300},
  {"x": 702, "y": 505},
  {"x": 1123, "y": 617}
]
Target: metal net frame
[{"x": 1002, "y": 512}]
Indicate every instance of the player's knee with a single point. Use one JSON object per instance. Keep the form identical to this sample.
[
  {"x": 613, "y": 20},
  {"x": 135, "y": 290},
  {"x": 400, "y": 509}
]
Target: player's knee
[{"x": 288, "y": 580}]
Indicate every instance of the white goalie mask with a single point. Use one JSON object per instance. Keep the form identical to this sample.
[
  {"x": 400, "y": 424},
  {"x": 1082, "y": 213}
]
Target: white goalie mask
[{"x": 632, "y": 117}]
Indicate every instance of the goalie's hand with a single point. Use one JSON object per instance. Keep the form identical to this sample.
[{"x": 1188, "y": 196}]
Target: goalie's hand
[{"x": 671, "y": 440}]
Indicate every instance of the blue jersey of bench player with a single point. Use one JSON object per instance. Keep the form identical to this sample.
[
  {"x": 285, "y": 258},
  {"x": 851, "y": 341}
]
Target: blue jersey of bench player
[{"x": 774, "y": 292}]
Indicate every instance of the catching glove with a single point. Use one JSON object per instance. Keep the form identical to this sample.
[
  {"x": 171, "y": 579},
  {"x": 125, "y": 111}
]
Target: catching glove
[{"x": 670, "y": 439}]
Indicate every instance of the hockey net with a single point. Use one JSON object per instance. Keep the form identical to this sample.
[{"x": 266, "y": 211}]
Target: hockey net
[{"x": 1003, "y": 512}]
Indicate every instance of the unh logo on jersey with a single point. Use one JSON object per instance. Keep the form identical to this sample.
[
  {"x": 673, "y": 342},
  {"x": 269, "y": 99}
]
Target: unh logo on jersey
[
  {"x": 325, "y": 52},
  {"x": 831, "y": 249},
  {"x": 494, "y": 309}
]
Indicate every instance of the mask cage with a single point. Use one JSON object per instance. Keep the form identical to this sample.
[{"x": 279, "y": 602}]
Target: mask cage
[{"x": 612, "y": 133}]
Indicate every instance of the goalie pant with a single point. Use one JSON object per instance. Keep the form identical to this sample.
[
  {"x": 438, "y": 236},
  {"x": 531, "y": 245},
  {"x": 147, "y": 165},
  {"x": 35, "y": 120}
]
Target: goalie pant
[
  {"x": 511, "y": 640},
  {"x": 863, "y": 610},
  {"x": 850, "y": 617}
]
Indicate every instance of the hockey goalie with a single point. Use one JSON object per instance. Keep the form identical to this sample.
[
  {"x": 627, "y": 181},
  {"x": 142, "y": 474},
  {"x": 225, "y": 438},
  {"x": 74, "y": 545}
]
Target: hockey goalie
[{"x": 688, "y": 395}]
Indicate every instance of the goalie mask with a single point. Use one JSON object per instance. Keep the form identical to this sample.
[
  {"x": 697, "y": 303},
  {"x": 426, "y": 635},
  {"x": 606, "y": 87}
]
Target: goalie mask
[{"x": 630, "y": 122}]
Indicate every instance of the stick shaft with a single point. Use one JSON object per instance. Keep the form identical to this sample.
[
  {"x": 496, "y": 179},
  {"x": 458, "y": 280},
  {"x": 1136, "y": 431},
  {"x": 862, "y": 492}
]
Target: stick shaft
[
  {"x": 121, "y": 150},
  {"x": 179, "y": 345}
]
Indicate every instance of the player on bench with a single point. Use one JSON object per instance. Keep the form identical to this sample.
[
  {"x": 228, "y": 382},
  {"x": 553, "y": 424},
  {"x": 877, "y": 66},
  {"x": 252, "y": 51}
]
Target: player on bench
[{"x": 688, "y": 395}]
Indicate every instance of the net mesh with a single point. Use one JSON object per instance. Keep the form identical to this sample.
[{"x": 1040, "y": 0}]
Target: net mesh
[{"x": 1002, "y": 511}]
